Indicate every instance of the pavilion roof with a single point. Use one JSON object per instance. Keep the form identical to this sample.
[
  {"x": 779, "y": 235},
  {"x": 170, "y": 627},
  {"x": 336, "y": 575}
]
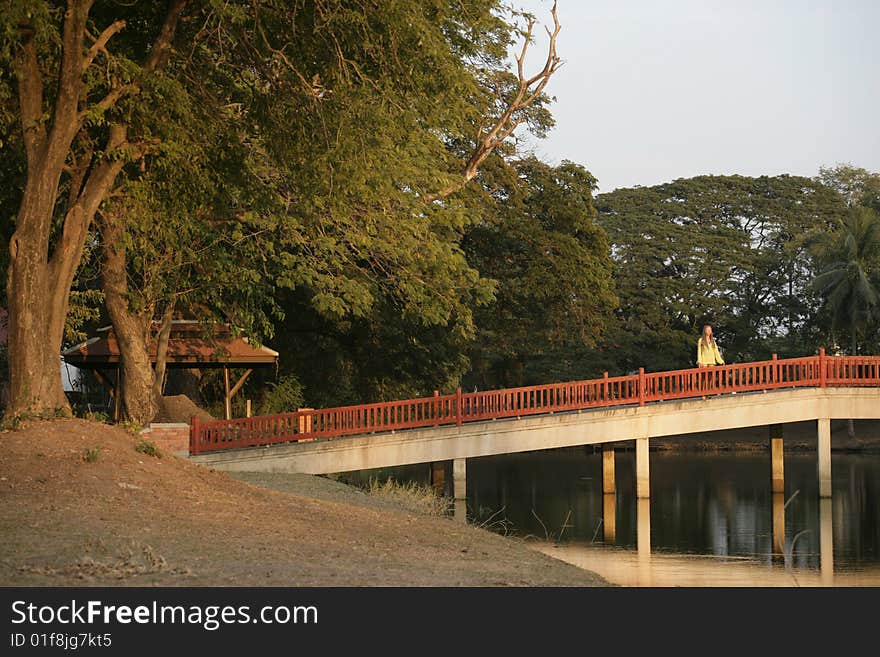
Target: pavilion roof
[{"x": 191, "y": 344}]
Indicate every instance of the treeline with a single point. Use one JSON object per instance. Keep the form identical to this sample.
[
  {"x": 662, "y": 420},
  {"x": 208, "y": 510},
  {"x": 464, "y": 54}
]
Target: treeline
[{"x": 342, "y": 181}]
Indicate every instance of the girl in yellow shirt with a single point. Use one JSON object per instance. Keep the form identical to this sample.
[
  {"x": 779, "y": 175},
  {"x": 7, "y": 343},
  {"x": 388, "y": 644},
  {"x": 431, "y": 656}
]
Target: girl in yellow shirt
[{"x": 707, "y": 349}]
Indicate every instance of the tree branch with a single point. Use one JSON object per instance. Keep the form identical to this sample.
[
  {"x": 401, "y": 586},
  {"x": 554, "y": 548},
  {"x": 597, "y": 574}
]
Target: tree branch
[
  {"x": 162, "y": 44},
  {"x": 64, "y": 119},
  {"x": 155, "y": 60},
  {"x": 100, "y": 44},
  {"x": 528, "y": 91},
  {"x": 30, "y": 97}
]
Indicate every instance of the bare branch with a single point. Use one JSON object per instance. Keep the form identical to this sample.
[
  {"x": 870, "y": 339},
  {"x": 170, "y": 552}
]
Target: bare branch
[
  {"x": 100, "y": 44},
  {"x": 162, "y": 43},
  {"x": 528, "y": 91},
  {"x": 313, "y": 88}
]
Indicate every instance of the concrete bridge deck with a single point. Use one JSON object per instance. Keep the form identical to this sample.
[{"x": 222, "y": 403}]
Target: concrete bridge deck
[{"x": 567, "y": 429}]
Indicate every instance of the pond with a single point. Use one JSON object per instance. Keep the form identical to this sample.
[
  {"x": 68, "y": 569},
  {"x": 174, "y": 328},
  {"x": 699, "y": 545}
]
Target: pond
[{"x": 711, "y": 520}]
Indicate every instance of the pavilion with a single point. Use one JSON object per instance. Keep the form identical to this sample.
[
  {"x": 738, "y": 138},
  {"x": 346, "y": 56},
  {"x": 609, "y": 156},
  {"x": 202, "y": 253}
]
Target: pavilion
[{"x": 191, "y": 345}]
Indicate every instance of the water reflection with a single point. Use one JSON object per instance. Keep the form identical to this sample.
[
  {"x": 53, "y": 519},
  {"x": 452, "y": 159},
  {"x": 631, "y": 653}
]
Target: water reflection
[
  {"x": 712, "y": 519},
  {"x": 826, "y": 541}
]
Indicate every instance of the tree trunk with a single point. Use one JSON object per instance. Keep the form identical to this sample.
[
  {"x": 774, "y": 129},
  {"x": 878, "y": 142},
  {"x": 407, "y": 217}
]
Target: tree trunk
[
  {"x": 162, "y": 338},
  {"x": 38, "y": 282},
  {"x": 132, "y": 332},
  {"x": 34, "y": 356}
]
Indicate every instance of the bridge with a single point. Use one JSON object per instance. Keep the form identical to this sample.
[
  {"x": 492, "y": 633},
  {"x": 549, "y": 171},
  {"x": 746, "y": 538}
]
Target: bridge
[{"x": 603, "y": 411}]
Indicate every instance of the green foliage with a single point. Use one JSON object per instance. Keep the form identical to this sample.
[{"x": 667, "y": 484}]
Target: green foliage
[
  {"x": 84, "y": 312},
  {"x": 285, "y": 396},
  {"x": 131, "y": 427},
  {"x": 857, "y": 185},
  {"x": 147, "y": 447},
  {"x": 539, "y": 240},
  {"x": 849, "y": 281},
  {"x": 91, "y": 454},
  {"x": 727, "y": 250}
]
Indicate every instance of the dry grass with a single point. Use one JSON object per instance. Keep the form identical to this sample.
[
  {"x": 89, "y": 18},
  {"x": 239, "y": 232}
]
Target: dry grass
[{"x": 412, "y": 496}]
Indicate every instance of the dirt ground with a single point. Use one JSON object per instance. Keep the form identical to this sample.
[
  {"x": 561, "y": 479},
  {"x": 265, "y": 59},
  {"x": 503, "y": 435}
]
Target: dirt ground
[{"x": 80, "y": 506}]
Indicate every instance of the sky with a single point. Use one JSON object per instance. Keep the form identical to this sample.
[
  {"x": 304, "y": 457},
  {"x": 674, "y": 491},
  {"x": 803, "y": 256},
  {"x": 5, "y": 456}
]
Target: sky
[{"x": 651, "y": 91}]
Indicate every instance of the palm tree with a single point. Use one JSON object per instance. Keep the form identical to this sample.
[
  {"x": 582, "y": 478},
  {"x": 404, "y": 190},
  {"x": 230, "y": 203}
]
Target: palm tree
[{"x": 848, "y": 283}]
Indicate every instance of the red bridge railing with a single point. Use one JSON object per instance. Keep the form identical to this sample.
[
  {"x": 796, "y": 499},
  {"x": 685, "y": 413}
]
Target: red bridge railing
[{"x": 641, "y": 388}]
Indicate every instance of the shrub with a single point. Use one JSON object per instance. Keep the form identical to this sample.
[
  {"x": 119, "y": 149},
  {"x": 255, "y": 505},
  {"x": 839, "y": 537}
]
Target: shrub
[
  {"x": 144, "y": 446},
  {"x": 283, "y": 397},
  {"x": 91, "y": 454}
]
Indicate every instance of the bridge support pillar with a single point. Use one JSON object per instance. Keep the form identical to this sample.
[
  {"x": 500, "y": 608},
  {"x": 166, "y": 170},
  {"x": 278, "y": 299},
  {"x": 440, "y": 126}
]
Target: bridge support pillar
[
  {"x": 824, "y": 457},
  {"x": 459, "y": 489},
  {"x": 608, "y": 485},
  {"x": 643, "y": 477},
  {"x": 777, "y": 459}
]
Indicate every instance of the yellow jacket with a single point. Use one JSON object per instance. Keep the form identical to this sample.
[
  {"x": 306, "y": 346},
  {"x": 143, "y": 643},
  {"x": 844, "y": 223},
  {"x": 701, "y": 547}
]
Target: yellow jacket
[{"x": 708, "y": 354}]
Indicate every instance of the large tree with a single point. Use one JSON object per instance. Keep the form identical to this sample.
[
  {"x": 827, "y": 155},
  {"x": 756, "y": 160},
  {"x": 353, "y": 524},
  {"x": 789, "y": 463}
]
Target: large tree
[
  {"x": 538, "y": 239},
  {"x": 727, "y": 250},
  {"x": 74, "y": 141},
  {"x": 361, "y": 121},
  {"x": 849, "y": 279}
]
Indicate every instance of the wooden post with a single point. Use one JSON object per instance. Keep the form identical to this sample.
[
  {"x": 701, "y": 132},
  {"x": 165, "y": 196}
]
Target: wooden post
[
  {"x": 641, "y": 386},
  {"x": 605, "y": 385},
  {"x": 247, "y": 408},
  {"x": 436, "y": 408},
  {"x": 458, "y": 409},
  {"x": 775, "y": 369},
  {"x": 305, "y": 423},
  {"x": 227, "y": 398},
  {"x": 823, "y": 375}
]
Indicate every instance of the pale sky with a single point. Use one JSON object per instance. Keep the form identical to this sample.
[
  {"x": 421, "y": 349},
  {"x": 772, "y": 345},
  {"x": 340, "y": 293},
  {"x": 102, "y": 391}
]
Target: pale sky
[{"x": 657, "y": 90}]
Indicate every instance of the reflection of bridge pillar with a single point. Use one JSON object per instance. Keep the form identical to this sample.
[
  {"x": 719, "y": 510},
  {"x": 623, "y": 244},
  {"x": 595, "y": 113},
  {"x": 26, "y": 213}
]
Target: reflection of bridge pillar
[
  {"x": 777, "y": 459},
  {"x": 459, "y": 488},
  {"x": 824, "y": 457},
  {"x": 778, "y": 524},
  {"x": 643, "y": 475},
  {"x": 608, "y": 485},
  {"x": 609, "y": 517},
  {"x": 826, "y": 541},
  {"x": 643, "y": 540}
]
